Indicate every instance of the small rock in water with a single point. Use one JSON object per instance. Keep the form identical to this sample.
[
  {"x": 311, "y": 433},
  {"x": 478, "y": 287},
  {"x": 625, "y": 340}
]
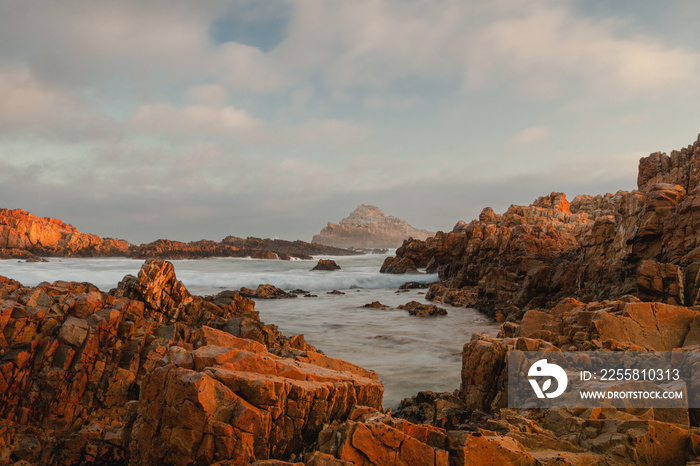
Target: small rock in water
[
  {"x": 415, "y": 308},
  {"x": 335, "y": 292},
  {"x": 300, "y": 291},
  {"x": 413, "y": 285},
  {"x": 326, "y": 264},
  {"x": 376, "y": 305},
  {"x": 266, "y": 292},
  {"x": 309, "y": 295}
]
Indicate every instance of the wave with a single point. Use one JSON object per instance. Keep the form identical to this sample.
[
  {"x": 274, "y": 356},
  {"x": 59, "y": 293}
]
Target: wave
[
  {"x": 210, "y": 275},
  {"x": 312, "y": 281}
]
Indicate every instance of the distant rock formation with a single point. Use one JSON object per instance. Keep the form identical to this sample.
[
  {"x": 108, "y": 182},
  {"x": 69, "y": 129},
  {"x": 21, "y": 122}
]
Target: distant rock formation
[
  {"x": 231, "y": 246},
  {"x": 368, "y": 227},
  {"x": 24, "y": 235}
]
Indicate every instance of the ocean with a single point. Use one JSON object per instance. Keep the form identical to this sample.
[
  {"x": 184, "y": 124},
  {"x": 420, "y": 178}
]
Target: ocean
[{"x": 410, "y": 354}]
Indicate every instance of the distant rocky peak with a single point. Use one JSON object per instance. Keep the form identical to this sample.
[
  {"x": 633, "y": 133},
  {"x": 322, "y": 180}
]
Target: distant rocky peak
[
  {"x": 368, "y": 227},
  {"x": 365, "y": 214}
]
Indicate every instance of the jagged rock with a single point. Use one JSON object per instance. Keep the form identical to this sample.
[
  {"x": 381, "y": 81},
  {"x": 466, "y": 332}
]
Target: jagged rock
[
  {"x": 367, "y": 227},
  {"x": 74, "y": 362},
  {"x": 241, "y": 406},
  {"x": 596, "y": 247},
  {"x": 369, "y": 437},
  {"x": 326, "y": 264},
  {"x": 396, "y": 265},
  {"x": 26, "y": 236}
]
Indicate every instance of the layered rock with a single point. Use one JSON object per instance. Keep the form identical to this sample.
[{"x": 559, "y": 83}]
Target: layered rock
[
  {"x": 23, "y": 235},
  {"x": 642, "y": 242},
  {"x": 241, "y": 405},
  {"x": 367, "y": 227},
  {"x": 568, "y": 436},
  {"x": 81, "y": 373}
]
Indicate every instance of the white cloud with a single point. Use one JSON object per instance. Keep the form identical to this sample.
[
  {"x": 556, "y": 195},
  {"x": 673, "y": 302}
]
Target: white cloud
[
  {"x": 541, "y": 50},
  {"x": 167, "y": 120},
  {"x": 530, "y": 136},
  {"x": 551, "y": 45}
]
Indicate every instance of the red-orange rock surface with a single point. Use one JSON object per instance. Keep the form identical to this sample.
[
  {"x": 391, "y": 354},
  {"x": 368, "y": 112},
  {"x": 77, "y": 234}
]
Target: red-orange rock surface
[
  {"x": 484, "y": 431},
  {"x": 23, "y": 234},
  {"x": 83, "y": 376},
  {"x": 26, "y": 236}
]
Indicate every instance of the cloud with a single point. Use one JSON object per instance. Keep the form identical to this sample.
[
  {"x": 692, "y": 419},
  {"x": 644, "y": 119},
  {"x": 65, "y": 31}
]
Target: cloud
[
  {"x": 29, "y": 106},
  {"x": 165, "y": 119},
  {"x": 207, "y": 94},
  {"x": 331, "y": 130},
  {"x": 540, "y": 50},
  {"x": 530, "y": 136},
  {"x": 551, "y": 44}
]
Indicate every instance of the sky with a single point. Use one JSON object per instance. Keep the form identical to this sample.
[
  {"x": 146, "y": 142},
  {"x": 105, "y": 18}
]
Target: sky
[{"x": 194, "y": 120}]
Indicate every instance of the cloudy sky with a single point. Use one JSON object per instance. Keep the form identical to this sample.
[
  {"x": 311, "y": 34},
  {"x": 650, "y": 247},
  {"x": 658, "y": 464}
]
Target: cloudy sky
[{"x": 190, "y": 120}]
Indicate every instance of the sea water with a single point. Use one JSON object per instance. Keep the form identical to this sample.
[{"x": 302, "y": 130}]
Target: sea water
[{"x": 410, "y": 354}]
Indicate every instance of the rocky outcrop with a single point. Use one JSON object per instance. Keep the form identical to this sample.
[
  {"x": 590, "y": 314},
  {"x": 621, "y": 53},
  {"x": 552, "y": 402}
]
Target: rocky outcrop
[
  {"x": 367, "y": 227},
  {"x": 23, "y": 235},
  {"x": 326, "y": 265},
  {"x": 150, "y": 373},
  {"x": 642, "y": 242},
  {"x": 415, "y": 308},
  {"x": 26, "y": 236},
  {"x": 269, "y": 292},
  {"x": 241, "y": 405},
  {"x": 567, "y": 436},
  {"x": 232, "y": 246}
]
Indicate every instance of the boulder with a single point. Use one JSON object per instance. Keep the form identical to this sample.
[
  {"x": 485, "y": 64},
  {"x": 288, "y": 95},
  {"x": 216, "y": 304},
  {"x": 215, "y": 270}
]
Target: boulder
[
  {"x": 415, "y": 308},
  {"x": 266, "y": 292},
  {"x": 326, "y": 264}
]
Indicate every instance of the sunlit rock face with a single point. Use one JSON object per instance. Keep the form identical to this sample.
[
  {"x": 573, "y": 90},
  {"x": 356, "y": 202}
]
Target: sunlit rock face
[
  {"x": 24, "y": 235},
  {"x": 644, "y": 243},
  {"x": 150, "y": 374},
  {"x": 368, "y": 227}
]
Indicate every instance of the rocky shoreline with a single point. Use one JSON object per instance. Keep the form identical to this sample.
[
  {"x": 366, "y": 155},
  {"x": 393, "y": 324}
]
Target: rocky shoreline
[
  {"x": 645, "y": 243},
  {"x": 26, "y": 236},
  {"x": 150, "y": 374}
]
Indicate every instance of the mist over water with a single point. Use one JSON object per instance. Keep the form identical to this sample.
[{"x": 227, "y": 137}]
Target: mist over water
[{"x": 409, "y": 353}]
